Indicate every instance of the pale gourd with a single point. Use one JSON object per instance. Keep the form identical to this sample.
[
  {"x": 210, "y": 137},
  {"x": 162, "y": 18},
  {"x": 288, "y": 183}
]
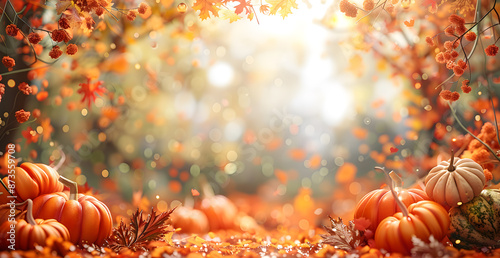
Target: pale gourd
[{"x": 455, "y": 182}]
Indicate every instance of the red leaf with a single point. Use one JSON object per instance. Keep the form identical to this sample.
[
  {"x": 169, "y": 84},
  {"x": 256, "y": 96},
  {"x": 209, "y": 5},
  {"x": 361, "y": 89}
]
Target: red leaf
[
  {"x": 393, "y": 149},
  {"x": 409, "y": 23},
  {"x": 361, "y": 224},
  {"x": 195, "y": 192}
]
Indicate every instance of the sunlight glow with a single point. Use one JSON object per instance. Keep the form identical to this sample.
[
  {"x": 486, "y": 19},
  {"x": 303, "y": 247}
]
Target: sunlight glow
[{"x": 220, "y": 74}]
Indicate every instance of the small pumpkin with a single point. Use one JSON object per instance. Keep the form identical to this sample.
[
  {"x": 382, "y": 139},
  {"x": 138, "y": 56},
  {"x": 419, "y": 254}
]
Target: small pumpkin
[
  {"x": 421, "y": 219},
  {"x": 477, "y": 222},
  {"x": 190, "y": 220},
  {"x": 87, "y": 219},
  {"x": 30, "y": 232},
  {"x": 220, "y": 211},
  {"x": 454, "y": 182},
  {"x": 379, "y": 204},
  {"x": 31, "y": 180}
]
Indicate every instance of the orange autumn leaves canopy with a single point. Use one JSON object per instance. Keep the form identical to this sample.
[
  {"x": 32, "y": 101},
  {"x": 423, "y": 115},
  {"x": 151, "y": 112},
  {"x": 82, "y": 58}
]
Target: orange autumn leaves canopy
[{"x": 234, "y": 9}]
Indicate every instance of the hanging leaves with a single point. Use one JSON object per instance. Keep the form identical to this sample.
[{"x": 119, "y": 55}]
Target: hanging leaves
[
  {"x": 140, "y": 231},
  {"x": 229, "y": 15},
  {"x": 243, "y": 6},
  {"x": 345, "y": 237},
  {"x": 206, "y": 7},
  {"x": 283, "y": 7}
]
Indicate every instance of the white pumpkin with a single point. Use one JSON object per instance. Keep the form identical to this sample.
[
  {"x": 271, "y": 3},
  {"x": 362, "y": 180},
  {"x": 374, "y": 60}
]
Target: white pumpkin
[{"x": 455, "y": 182}]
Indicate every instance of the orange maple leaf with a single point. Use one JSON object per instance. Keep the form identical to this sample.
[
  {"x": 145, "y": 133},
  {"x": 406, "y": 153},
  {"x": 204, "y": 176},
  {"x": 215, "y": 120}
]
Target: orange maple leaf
[
  {"x": 206, "y": 7},
  {"x": 410, "y": 23},
  {"x": 243, "y": 5},
  {"x": 264, "y": 9}
]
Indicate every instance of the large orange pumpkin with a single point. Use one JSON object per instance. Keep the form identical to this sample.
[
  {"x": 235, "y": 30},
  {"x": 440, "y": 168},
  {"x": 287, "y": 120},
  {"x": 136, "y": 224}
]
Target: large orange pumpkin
[
  {"x": 422, "y": 220},
  {"x": 379, "y": 204},
  {"x": 31, "y": 180},
  {"x": 190, "y": 220},
  {"x": 24, "y": 234},
  {"x": 87, "y": 219}
]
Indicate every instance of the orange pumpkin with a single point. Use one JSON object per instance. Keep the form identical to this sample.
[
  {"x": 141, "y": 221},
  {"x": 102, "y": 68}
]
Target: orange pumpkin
[
  {"x": 422, "y": 220},
  {"x": 24, "y": 234},
  {"x": 31, "y": 180},
  {"x": 220, "y": 211},
  {"x": 379, "y": 204},
  {"x": 87, "y": 219},
  {"x": 6, "y": 210},
  {"x": 190, "y": 220}
]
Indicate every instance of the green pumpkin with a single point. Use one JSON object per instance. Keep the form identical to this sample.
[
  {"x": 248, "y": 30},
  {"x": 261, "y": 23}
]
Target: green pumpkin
[{"x": 477, "y": 223}]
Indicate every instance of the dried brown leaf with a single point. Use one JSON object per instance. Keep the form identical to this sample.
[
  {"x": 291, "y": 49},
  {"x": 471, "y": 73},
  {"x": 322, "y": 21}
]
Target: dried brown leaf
[
  {"x": 345, "y": 237},
  {"x": 140, "y": 231}
]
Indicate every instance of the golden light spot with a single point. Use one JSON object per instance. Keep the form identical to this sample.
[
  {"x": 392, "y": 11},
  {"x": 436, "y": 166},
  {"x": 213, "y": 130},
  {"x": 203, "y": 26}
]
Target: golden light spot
[
  {"x": 157, "y": 197},
  {"x": 459, "y": 203},
  {"x": 85, "y": 112},
  {"x": 105, "y": 173},
  {"x": 65, "y": 128},
  {"x": 231, "y": 155},
  {"x": 39, "y": 129},
  {"x": 457, "y": 241},
  {"x": 162, "y": 206},
  {"x": 11, "y": 83},
  {"x": 6, "y": 114},
  {"x": 418, "y": 85},
  {"x": 182, "y": 8},
  {"x": 304, "y": 224},
  {"x": 112, "y": 45},
  {"x": 137, "y": 66},
  {"x": 81, "y": 179}
]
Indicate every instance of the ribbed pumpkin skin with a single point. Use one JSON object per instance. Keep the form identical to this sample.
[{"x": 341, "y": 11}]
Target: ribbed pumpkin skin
[
  {"x": 33, "y": 180},
  {"x": 87, "y": 219},
  {"x": 380, "y": 204},
  {"x": 452, "y": 188},
  {"x": 477, "y": 223},
  {"x": 27, "y": 235},
  {"x": 426, "y": 218}
]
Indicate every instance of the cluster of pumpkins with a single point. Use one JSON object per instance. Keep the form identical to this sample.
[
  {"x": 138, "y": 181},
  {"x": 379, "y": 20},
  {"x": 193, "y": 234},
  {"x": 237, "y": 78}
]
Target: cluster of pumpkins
[
  {"x": 41, "y": 209},
  {"x": 454, "y": 204}
]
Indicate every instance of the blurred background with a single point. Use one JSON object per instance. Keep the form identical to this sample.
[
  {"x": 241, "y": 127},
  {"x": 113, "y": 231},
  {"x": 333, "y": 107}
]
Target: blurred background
[{"x": 285, "y": 110}]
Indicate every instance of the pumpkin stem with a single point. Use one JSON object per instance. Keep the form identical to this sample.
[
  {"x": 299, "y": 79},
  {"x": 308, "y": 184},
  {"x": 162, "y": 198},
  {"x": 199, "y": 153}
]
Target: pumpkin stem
[
  {"x": 206, "y": 188},
  {"x": 389, "y": 177},
  {"x": 73, "y": 187},
  {"x": 29, "y": 214},
  {"x": 397, "y": 182},
  {"x": 451, "y": 168}
]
